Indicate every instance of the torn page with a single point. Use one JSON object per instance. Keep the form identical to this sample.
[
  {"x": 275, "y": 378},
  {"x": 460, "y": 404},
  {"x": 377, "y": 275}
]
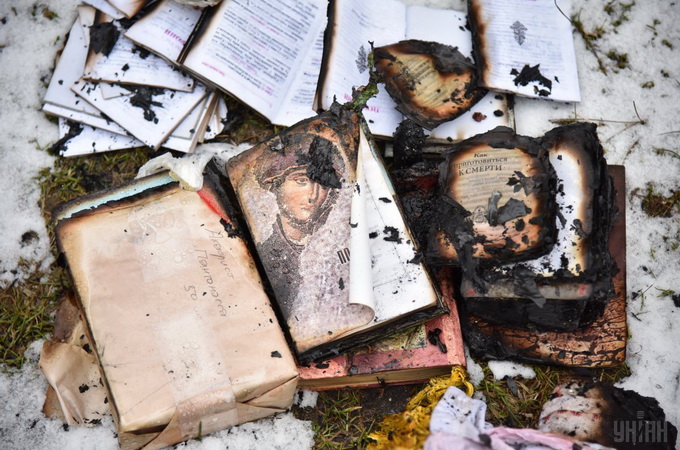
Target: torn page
[{"x": 128, "y": 64}]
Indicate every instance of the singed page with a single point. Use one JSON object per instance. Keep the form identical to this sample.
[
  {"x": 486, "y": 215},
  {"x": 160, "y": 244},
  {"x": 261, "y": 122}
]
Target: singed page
[
  {"x": 450, "y": 28},
  {"x": 400, "y": 285},
  {"x": 151, "y": 124},
  {"x": 217, "y": 120},
  {"x": 166, "y": 29},
  {"x": 356, "y": 23},
  {"x": 298, "y": 102},
  {"x": 105, "y": 7},
  {"x": 191, "y": 130},
  {"x": 125, "y": 65},
  {"x": 128, "y": 7},
  {"x": 93, "y": 140},
  {"x": 515, "y": 35},
  {"x": 59, "y": 99},
  {"x": 254, "y": 49},
  {"x": 360, "y": 277}
]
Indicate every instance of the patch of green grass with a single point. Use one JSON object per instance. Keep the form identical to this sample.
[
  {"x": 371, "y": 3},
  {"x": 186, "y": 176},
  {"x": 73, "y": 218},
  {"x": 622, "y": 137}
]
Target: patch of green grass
[
  {"x": 589, "y": 37},
  {"x": 26, "y": 314},
  {"x": 664, "y": 151},
  {"x": 618, "y": 11},
  {"x": 620, "y": 59},
  {"x": 665, "y": 292},
  {"x": 340, "y": 423},
  {"x": 647, "y": 85},
  {"x": 518, "y": 402},
  {"x": 658, "y": 205},
  {"x": 667, "y": 43}
]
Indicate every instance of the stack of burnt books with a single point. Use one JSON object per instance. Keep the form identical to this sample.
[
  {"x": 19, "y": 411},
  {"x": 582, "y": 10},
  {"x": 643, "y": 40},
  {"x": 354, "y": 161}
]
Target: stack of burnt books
[
  {"x": 292, "y": 265},
  {"x": 531, "y": 225}
]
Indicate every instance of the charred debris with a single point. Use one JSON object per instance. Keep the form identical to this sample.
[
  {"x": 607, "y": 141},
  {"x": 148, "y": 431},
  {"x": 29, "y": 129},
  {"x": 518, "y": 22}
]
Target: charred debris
[{"x": 524, "y": 224}]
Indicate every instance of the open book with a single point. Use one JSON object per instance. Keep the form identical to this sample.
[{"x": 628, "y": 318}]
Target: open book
[
  {"x": 125, "y": 97},
  {"x": 267, "y": 54},
  {"x": 525, "y": 48},
  {"x": 330, "y": 235},
  {"x": 355, "y": 23},
  {"x": 411, "y": 356}
]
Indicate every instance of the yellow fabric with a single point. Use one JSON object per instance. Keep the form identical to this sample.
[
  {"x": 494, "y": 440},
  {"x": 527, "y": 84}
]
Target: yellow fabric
[{"x": 409, "y": 429}]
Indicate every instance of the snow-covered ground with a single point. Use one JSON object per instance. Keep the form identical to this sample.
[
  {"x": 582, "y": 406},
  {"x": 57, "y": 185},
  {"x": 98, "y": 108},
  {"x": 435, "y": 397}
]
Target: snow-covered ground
[{"x": 637, "y": 107}]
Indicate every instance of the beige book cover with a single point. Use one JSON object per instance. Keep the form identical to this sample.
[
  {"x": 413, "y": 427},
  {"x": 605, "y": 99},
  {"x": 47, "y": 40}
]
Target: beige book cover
[{"x": 183, "y": 331}]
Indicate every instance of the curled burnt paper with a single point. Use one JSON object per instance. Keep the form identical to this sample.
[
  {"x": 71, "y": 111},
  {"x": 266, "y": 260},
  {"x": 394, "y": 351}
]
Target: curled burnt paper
[
  {"x": 431, "y": 83},
  {"x": 611, "y": 416},
  {"x": 505, "y": 185}
]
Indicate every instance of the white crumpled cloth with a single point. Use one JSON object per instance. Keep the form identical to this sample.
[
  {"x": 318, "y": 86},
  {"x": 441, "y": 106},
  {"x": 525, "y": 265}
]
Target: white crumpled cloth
[
  {"x": 458, "y": 423},
  {"x": 188, "y": 169}
]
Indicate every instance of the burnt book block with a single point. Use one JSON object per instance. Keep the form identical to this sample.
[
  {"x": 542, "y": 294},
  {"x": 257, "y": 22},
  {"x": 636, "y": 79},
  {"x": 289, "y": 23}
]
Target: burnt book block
[
  {"x": 569, "y": 287},
  {"x": 600, "y": 344}
]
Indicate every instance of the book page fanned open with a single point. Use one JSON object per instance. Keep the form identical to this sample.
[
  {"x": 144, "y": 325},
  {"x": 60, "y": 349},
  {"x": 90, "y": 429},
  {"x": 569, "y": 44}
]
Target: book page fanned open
[
  {"x": 355, "y": 23},
  {"x": 273, "y": 72},
  {"x": 303, "y": 192}
]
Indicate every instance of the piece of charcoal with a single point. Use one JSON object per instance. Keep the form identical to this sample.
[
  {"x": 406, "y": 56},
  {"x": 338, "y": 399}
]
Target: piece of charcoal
[{"x": 408, "y": 141}]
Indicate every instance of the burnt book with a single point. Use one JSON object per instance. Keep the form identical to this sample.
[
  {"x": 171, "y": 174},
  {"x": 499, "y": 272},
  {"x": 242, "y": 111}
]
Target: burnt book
[
  {"x": 599, "y": 344},
  {"x": 430, "y": 82},
  {"x": 496, "y": 202},
  {"x": 331, "y": 237},
  {"x": 413, "y": 44},
  {"x": 175, "y": 312},
  {"x": 568, "y": 287},
  {"x": 412, "y": 356},
  {"x": 123, "y": 97},
  {"x": 525, "y": 48}
]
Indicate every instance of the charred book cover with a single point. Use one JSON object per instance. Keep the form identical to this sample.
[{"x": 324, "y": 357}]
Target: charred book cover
[
  {"x": 569, "y": 286},
  {"x": 331, "y": 237}
]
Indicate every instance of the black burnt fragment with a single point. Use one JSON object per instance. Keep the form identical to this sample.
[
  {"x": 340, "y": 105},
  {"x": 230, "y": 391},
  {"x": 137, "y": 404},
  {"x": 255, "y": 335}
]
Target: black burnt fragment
[
  {"x": 143, "y": 98},
  {"x": 532, "y": 74},
  {"x": 409, "y": 138},
  {"x": 103, "y": 37}
]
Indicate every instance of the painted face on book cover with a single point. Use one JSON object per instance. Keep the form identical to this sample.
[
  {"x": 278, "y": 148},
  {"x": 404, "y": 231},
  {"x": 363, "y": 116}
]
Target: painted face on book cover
[
  {"x": 300, "y": 199},
  {"x": 305, "y": 180}
]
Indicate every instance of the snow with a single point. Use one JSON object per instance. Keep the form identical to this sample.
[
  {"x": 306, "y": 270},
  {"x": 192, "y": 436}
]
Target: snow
[
  {"x": 510, "y": 369},
  {"x": 638, "y": 128}
]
